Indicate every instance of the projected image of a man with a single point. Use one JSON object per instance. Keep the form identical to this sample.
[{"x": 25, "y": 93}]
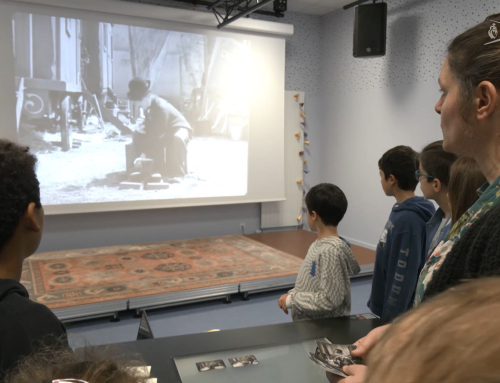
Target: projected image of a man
[
  {"x": 163, "y": 135},
  {"x": 120, "y": 113}
]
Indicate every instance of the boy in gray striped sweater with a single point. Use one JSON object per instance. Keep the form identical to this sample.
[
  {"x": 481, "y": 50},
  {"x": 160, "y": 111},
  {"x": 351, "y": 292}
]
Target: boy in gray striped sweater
[{"x": 323, "y": 287}]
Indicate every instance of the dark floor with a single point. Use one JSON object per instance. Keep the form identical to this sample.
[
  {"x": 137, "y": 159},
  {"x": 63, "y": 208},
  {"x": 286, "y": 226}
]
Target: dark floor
[{"x": 261, "y": 309}]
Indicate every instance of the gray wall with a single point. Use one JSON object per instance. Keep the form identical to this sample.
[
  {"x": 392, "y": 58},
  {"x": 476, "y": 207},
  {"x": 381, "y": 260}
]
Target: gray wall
[
  {"x": 374, "y": 104},
  {"x": 120, "y": 228},
  {"x": 77, "y": 231}
]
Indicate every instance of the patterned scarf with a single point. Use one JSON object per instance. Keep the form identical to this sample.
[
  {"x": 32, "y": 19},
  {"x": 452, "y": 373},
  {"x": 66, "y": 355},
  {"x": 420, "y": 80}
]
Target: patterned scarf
[{"x": 490, "y": 197}]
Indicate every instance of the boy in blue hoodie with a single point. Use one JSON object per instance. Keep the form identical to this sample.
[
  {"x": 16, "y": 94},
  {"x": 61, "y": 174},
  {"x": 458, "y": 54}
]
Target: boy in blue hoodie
[{"x": 401, "y": 249}]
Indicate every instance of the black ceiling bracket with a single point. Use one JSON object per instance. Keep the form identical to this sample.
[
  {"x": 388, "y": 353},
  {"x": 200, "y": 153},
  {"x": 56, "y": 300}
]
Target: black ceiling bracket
[{"x": 228, "y": 11}]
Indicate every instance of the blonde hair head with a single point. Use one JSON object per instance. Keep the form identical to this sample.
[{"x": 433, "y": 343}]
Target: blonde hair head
[{"x": 452, "y": 338}]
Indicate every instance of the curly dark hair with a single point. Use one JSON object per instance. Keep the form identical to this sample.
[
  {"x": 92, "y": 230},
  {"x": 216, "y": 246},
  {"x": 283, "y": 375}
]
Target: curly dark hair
[{"x": 19, "y": 186}]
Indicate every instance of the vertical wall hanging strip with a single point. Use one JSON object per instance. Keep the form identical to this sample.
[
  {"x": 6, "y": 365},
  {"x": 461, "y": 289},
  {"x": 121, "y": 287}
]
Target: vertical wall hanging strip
[
  {"x": 304, "y": 161},
  {"x": 286, "y": 213}
]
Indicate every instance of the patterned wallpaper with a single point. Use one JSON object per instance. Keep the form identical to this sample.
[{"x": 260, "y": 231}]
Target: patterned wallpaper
[
  {"x": 303, "y": 52},
  {"x": 417, "y": 34}
]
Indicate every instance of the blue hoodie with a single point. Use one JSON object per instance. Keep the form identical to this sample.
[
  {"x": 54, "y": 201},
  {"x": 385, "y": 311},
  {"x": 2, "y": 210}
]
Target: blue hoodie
[
  {"x": 400, "y": 257},
  {"x": 432, "y": 228}
]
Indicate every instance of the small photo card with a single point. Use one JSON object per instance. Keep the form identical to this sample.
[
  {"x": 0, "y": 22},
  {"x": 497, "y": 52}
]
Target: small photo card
[
  {"x": 211, "y": 365},
  {"x": 242, "y": 361}
]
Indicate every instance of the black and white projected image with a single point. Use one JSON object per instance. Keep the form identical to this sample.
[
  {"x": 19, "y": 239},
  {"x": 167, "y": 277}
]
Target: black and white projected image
[{"x": 126, "y": 113}]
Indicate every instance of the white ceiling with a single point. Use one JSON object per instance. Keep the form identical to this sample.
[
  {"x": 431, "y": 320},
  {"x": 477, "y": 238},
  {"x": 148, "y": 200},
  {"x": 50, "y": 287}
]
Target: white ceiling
[{"x": 317, "y": 7}]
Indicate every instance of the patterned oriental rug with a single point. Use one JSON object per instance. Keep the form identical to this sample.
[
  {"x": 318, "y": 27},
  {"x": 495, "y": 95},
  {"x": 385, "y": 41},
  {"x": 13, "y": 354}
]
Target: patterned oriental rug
[{"x": 80, "y": 277}]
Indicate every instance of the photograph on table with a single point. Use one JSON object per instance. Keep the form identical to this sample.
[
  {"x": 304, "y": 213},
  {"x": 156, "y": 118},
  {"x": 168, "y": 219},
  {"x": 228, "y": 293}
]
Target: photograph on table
[
  {"x": 244, "y": 361},
  {"x": 211, "y": 365}
]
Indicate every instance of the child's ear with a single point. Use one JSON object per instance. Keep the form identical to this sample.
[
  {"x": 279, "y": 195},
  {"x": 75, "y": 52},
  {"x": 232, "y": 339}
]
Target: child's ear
[
  {"x": 436, "y": 185},
  {"x": 392, "y": 180},
  {"x": 31, "y": 218},
  {"x": 314, "y": 216}
]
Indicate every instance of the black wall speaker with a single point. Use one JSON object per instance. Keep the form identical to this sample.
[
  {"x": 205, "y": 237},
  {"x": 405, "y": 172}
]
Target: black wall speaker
[
  {"x": 370, "y": 30},
  {"x": 280, "y": 6}
]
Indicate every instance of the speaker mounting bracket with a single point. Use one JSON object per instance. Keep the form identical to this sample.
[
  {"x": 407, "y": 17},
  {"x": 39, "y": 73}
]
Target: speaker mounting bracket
[
  {"x": 356, "y": 3},
  {"x": 228, "y": 11}
]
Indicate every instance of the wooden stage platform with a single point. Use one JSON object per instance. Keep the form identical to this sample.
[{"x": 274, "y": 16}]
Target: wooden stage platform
[
  {"x": 297, "y": 242},
  {"x": 86, "y": 283}
]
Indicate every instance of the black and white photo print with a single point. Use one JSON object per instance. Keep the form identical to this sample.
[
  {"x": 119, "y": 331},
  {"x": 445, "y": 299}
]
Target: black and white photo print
[
  {"x": 211, "y": 365},
  {"x": 243, "y": 361}
]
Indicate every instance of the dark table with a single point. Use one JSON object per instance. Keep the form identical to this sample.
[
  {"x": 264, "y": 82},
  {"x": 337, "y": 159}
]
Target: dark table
[{"x": 159, "y": 353}]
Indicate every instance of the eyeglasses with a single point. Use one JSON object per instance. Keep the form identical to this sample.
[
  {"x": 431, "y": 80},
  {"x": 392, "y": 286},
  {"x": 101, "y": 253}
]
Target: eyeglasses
[{"x": 418, "y": 175}]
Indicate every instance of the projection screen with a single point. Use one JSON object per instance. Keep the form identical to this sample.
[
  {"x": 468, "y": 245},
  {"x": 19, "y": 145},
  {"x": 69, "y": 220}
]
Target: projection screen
[{"x": 131, "y": 113}]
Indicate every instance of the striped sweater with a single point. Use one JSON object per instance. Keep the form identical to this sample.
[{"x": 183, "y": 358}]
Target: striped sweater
[{"x": 323, "y": 287}]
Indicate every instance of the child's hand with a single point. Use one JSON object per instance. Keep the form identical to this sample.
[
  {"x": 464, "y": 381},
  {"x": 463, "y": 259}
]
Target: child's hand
[{"x": 282, "y": 303}]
